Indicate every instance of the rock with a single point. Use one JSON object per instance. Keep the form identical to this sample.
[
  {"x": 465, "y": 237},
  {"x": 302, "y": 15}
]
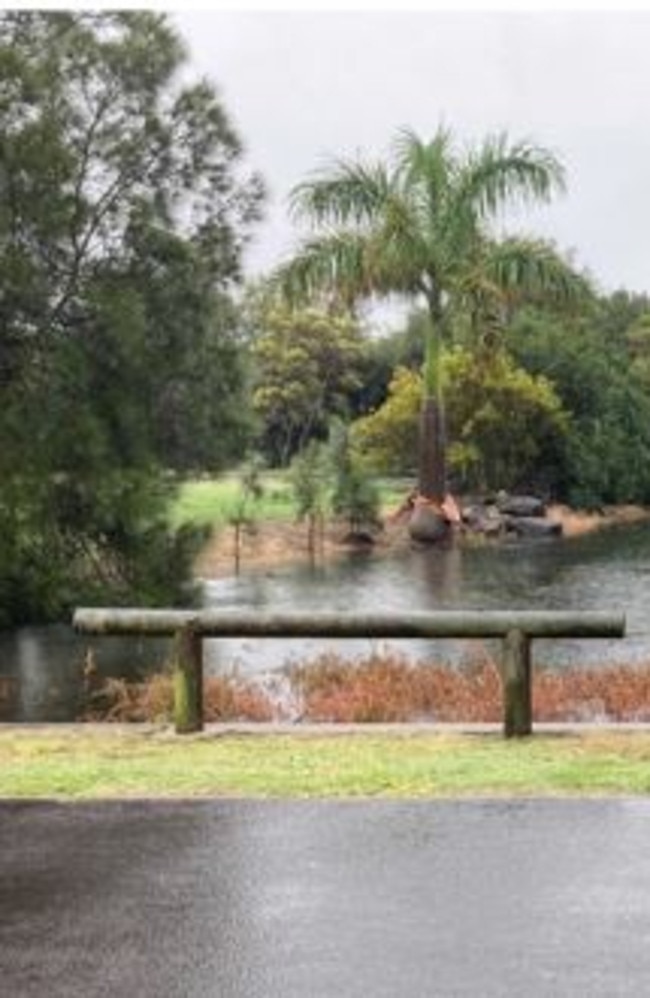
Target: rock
[
  {"x": 493, "y": 526},
  {"x": 528, "y": 526},
  {"x": 473, "y": 515},
  {"x": 523, "y": 506},
  {"x": 428, "y": 525},
  {"x": 482, "y": 519}
]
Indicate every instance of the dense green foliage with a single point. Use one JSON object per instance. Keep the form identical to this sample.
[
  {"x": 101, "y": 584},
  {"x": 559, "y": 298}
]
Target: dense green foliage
[
  {"x": 548, "y": 399},
  {"x": 558, "y": 403},
  {"x": 598, "y": 366},
  {"x": 306, "y": 365},
  {"x": 507, "y": 428},
  {"x": 122, "y": 216}
]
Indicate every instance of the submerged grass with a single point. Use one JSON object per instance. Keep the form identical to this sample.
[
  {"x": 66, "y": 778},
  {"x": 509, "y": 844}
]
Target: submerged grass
[{"x": 114, "y": 762}]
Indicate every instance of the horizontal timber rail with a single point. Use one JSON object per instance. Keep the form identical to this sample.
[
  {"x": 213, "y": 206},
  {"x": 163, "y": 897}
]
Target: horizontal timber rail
[{"x": 516, "y": 628}]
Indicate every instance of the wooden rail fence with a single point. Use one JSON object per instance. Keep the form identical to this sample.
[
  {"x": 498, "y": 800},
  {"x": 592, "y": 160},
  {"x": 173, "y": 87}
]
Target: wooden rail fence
[{"x": 516, "y": 629}]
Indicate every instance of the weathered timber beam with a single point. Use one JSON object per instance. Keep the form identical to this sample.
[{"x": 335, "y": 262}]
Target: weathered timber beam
[
  {"x": 155, "y": 623},
  {"x": 438, "y": 624}
]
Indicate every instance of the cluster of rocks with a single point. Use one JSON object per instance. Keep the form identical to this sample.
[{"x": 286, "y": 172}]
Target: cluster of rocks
[{"x": 522, "y": 516}]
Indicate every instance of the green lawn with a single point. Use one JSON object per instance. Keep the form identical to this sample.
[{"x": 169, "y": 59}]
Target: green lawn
[
  {"x": 140, "y": 762},
  {"x": 211, "y": 501}
]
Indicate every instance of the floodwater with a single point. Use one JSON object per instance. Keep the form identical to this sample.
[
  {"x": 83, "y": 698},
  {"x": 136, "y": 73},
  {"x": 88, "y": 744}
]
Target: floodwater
[{"x": 607, "y": 571}]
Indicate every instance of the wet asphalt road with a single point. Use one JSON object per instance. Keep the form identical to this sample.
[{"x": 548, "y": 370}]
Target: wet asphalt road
[{"x": 240, "y": 899}]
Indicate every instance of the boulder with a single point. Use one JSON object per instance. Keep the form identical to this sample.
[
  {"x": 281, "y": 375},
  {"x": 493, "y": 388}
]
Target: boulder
[
  {"x": 428, "y": 525},
  {"x": 528, "y": 526},
  {"x": 473, "y": 515},
  {"x": 492, "y": 526},
  {"x": 524, "y": 506},
  {"x": 482, "y": 519}
]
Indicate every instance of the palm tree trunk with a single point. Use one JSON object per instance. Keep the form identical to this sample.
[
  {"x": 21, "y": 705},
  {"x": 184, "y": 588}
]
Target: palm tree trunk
[
  {"x": 432, "y": 472},
  {"x": 433, "y": 443}
]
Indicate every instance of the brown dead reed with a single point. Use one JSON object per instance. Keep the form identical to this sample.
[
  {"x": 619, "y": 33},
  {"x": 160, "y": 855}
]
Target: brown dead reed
[
  {"x": 389, "y": 688},
  {"x": 225, "y": 698}
]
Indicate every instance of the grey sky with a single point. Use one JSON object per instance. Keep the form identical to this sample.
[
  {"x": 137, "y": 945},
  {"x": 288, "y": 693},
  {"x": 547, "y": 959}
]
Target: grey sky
[{"x": 305, "y": 86}]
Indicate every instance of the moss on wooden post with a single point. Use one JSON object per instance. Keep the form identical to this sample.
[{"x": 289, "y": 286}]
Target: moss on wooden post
[
  {"x": 517, "y": 691},
  {"x": 188, "y": 681}
]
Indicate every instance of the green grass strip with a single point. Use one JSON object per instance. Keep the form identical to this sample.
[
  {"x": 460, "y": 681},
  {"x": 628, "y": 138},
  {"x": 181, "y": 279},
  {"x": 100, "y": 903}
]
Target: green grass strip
[
  {"x": 116, "y": 762},
  {"x": 213, "y": 501}
]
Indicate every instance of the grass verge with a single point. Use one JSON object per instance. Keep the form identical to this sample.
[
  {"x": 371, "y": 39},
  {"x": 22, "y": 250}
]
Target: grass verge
[{"x": 117, "y": 763}]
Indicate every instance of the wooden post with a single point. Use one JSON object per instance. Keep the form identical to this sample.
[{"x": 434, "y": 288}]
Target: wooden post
[
  {"x": 188, "y": 681},
  {"x": 517, "y": 692}
]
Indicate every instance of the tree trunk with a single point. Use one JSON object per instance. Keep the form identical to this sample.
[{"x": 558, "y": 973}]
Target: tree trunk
[
  {"x": 433, "y": 444},
  {"x": 432, "y": 477}
]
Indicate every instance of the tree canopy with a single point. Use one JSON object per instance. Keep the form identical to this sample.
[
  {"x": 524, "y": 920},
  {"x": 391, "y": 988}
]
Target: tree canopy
[
  {"x": 307, "y": 363},
  {"x": 124, "y": 210},
  {"x": 596, "y": 362}
]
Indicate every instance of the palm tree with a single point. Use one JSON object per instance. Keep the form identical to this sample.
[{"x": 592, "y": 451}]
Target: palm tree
[{"x": 418, "y": 226}]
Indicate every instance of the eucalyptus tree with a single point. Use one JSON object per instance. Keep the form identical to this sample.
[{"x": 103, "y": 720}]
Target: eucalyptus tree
[
  {"x": 419, "y": 226},
  {"x": 124, "y": 206}
]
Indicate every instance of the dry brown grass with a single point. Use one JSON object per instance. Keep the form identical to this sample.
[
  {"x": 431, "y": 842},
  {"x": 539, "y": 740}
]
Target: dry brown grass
[
  {"x": 611, "y": 693},
  {"x": 390, "y": 688},
  {"x": 225, "y": 698},
  {"x": 394, "y": 689}
]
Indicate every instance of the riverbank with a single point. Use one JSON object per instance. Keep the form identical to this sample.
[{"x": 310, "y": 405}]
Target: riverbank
[
  {"x": 576, "y": 522},
  {"x": 271, "y": 544}
]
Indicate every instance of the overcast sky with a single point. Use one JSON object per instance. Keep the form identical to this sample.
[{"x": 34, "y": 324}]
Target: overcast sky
[{"x": 304, "y": 86}]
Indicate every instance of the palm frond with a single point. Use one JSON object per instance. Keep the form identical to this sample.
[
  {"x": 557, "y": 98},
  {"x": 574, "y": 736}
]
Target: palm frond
[
  {"x": 346, "y": 192},
  {"x": 335, "y": 263},
  {"x": 500, "y": 174},
  {"x": 403, "y": 230},
  {"x": 394, "y": 265},
  {"x": 533, "y": 270},
  {"x": 416, "y": 157},
  {"x": 424, "y": 170}
]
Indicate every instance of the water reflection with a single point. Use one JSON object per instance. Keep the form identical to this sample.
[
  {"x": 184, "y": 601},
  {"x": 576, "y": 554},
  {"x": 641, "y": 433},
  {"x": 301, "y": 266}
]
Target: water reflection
[
  {"x": 46, "y": 665},
  {"x": 605, "y": 571}
]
